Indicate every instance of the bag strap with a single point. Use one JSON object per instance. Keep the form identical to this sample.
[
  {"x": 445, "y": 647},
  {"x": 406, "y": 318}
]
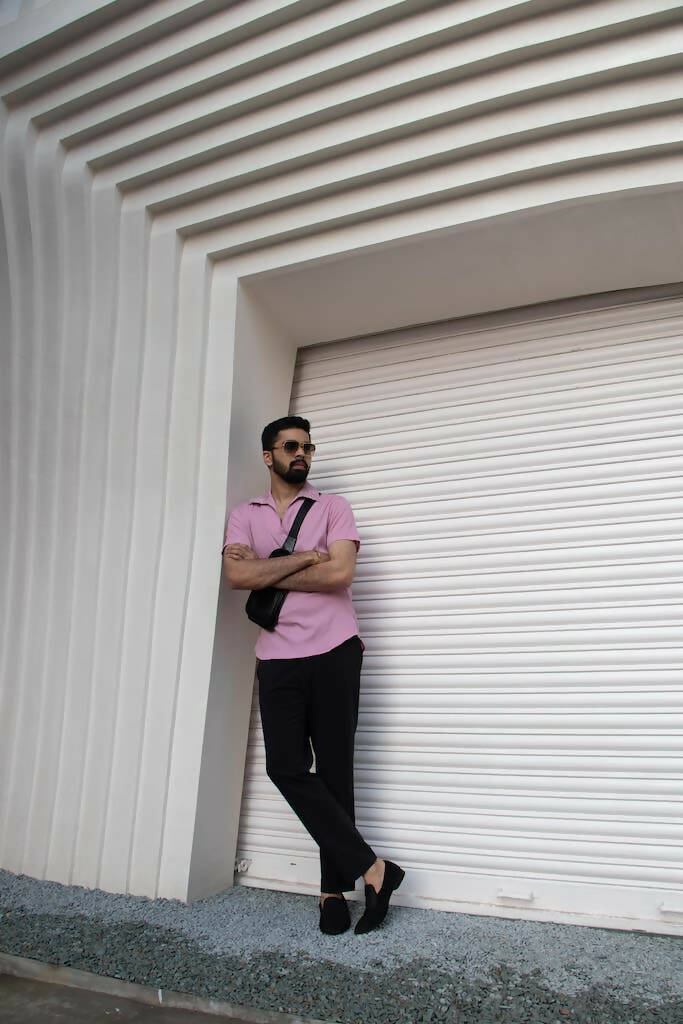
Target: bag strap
[{"x": 293, "y": 533}]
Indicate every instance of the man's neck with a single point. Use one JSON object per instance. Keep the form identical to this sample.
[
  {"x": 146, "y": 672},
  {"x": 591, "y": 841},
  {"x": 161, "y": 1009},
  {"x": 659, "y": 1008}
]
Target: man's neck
[{"x": 284, "y": 492}]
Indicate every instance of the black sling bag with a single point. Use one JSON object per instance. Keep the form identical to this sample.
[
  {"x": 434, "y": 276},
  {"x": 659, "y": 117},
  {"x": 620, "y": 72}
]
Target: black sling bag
[{"x": 263, "y": 606}]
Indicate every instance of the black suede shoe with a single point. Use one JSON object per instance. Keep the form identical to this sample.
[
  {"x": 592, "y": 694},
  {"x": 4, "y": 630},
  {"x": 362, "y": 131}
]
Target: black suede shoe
[
  {"x": 377, "y": 903},
  {"x": 334, "y": 915}
]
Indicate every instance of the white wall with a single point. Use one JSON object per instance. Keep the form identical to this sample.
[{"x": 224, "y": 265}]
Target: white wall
[
  {"x": 263, "y": 367},
  {"x": 355, "y": 167}
]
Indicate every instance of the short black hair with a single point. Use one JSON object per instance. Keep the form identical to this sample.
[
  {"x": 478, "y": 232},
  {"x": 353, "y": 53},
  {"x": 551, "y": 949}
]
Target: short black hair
[{"x": 271, "y": 431}]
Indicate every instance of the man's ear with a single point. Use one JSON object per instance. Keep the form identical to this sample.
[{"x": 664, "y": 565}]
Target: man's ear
[{"x": 268, "y": 459}]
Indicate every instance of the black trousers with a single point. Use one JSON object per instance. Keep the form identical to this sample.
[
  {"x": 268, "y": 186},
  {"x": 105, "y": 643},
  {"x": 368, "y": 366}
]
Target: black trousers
[{"x": 313, "y": 702}]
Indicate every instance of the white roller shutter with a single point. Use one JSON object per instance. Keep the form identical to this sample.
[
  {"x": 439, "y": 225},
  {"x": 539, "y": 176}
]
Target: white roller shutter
[{"x": 517, "y": 486}]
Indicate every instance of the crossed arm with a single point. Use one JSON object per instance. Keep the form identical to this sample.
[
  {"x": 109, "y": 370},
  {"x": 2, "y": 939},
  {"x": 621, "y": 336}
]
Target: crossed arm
[{"x": 312, "y": 571}]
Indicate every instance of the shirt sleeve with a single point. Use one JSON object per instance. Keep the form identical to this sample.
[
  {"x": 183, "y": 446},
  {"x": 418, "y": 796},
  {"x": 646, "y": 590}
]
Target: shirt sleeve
[
  {"x": 340, "y": 523},
  {"x": 237, "y": 528}
]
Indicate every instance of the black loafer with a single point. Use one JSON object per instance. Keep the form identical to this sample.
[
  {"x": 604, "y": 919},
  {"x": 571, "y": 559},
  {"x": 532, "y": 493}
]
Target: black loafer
[
  {"x": 377, "y": 903},
  {"x": 334, "y": 915}
]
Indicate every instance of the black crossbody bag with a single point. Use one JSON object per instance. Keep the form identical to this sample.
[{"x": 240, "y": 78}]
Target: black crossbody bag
[{"x": 263, "y": 606}]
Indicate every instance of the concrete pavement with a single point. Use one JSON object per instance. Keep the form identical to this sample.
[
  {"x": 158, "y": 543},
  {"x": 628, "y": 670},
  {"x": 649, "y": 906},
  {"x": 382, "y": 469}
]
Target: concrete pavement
[{"x": 25, "y": 1001}]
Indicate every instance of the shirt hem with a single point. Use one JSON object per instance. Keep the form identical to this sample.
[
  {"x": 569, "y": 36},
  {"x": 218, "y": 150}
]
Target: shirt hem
[{"x": 311, "y": 654}]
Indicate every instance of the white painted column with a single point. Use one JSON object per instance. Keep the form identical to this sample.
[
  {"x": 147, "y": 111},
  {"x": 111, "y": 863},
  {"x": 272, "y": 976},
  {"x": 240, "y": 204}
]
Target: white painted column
[{"x": 262, "y": 381}]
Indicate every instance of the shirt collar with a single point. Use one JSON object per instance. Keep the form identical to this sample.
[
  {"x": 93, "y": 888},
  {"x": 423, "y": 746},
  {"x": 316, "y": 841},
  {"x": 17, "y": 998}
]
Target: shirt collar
[{"x": 307, "y": 491}]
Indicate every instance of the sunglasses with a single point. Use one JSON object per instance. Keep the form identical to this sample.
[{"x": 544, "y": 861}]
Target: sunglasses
[{"x": 292, "y": 447}]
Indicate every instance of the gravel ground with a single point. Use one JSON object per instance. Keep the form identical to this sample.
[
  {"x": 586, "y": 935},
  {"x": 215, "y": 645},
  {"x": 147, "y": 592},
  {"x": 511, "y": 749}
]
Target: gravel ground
[{"x": 263, "y": 949}]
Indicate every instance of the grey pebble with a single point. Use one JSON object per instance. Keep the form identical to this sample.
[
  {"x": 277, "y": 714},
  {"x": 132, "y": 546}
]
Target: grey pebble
[{"x": 263, "y": 949}]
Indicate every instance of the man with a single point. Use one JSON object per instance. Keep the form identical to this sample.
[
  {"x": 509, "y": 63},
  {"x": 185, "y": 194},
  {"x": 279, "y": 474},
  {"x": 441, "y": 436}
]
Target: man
[{"x": 309, "y": 665}]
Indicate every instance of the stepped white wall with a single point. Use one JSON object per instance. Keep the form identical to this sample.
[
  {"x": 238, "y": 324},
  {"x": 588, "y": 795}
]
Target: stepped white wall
[{"x": 190, "y": 190}]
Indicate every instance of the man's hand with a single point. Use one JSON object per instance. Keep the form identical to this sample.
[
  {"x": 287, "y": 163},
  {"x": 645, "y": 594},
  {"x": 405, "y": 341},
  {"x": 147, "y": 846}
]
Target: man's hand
[
  {"x": 335, "y": 574},
  {"x": 238, "y": 551},
  {"x": 244, "y": 570}
]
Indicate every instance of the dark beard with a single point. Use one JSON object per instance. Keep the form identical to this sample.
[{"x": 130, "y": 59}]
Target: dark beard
[{"x": 293, "y": 474}]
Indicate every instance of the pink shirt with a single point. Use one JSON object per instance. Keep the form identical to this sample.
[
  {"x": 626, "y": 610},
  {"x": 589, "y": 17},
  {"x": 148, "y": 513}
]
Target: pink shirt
[{"x": 309, "y": 623}]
